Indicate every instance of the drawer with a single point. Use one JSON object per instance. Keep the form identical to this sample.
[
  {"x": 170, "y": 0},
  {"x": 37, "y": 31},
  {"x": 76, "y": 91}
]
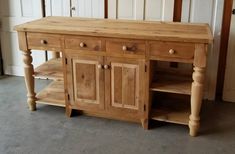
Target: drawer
[
  {"x": 133, "y": 47},
  {"x": 43, "y": 41},
  {"x": 83, "y": 43},
  {"x": 172, "y": 51}
]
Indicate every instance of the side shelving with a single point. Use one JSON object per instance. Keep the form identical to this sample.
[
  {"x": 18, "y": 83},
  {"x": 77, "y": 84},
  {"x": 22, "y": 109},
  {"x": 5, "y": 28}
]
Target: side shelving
[
  {"x": 170, "y": 96},
  {"x": 51, "y": 69},
  {"x": 53, "y": 94},
  {"x": 174, "y": 112}
]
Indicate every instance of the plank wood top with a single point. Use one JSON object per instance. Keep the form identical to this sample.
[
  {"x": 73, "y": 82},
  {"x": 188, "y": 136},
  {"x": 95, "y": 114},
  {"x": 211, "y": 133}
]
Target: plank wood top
[{"x": 163, "y": 31}]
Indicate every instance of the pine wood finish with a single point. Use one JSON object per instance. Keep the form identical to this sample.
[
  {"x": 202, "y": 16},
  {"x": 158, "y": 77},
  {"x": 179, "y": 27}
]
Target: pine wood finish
[
  {"x": 53, "y": 94},
  {"x": 172, "y": 84},
  {"x": 87, "y": 81},
  {"x": 172, "y": 113},
  {"x": 123, "y": 87},
  {"x": 171, "y": 51},
  {"x": 83, "y": 43},
  {"x": 43, "y": 41},
  {"x": 171, "y": 107},
  {"x": 126, "y": 47},
  {"x": 51, "y": 69},
  {"x": 108, "y": 67},
  {"x": 29, "y": 79},
  {"x": 145, "y": 30}
]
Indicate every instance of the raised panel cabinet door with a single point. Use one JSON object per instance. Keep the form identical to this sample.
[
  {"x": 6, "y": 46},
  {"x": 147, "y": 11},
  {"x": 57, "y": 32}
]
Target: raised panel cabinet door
[
  {"x": 124, "y": 84},
  {"x": 87, "y": 81}
]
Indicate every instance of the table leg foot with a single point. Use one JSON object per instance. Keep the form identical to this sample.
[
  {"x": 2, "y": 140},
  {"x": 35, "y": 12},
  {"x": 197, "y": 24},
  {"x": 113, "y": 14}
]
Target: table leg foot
[
  {"x": 194, "y": 125},
  {"x": 32, "y": 104}
]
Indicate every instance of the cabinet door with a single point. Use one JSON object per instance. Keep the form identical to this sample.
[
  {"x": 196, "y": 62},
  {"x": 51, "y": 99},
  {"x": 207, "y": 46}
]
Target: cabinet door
[
  {"x": 86, "y": 82},
  {"x": 124, "y": 85}
]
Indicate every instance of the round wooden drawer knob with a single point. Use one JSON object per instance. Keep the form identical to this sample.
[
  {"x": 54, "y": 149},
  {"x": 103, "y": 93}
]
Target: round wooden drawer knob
[
  {"x": 106, "y": 67},
  {"x": 99, "y": 66},
  {"x": 124, "y": 48},
  {"x": 43, "y": 42},
  {"x": 82, "y": 44},
  {"x": 171, "y": 51}
]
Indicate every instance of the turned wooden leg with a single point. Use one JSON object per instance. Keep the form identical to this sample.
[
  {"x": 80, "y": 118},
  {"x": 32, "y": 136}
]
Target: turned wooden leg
[
  {"x": 29, "y": 79},
  {"x": 196, "y": 100}
]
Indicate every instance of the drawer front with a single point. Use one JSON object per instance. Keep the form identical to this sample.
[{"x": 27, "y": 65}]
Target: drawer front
[
  {"x": 83, "y": 43},
  {"x": 125, "y": 47},
  {"x": 172, "y": 51},
  {"x": 43, "y": 41}
]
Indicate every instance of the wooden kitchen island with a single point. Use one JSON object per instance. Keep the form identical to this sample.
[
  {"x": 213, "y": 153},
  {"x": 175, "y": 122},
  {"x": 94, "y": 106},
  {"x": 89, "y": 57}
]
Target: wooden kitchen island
[{"x": 111, "y": 68}]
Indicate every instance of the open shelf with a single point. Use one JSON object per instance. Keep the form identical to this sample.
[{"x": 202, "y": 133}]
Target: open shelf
[
  {"x": 53, "y": 94},
  {"x": 172, "y": 112},
  {"x": 51, "y": 69},
  {"x": 172, "y": 84},
  {"x": 169, "y": 107},
  {"x": 170, "y": 116}
]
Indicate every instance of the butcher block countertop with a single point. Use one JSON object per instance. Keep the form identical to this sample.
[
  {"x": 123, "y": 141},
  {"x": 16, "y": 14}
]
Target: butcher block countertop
[{"x": 163, "y": 31}]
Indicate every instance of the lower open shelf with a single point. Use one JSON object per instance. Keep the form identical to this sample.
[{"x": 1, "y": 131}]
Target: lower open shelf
[
  {"x": 177, "y": 117},
  {"x": 173, "y": 111},
  {"x": 53, "y": 94}
]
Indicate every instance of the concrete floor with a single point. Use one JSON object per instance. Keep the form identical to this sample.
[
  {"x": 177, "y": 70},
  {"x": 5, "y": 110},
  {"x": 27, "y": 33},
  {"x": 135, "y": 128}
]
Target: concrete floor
[{"x": 49, "y": 131}]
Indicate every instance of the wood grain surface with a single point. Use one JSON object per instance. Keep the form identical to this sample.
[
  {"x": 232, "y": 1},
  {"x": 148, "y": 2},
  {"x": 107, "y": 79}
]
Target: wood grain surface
[{"x": 165, "y": 31}]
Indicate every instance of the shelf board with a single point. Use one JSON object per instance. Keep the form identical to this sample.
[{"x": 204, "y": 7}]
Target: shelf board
[
  {"x": 53, "y": 94},
  {"x": 51, "y": 69},
  {"x": 172, "y": 84},
  {"x": 174, "y": 113}
]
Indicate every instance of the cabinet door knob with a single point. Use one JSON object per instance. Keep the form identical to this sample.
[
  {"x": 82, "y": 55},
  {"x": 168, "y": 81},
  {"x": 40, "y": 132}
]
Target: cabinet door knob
[
  {"x": 124, "y": 48},
  {"x": 106, "y": 67},
  {"x": 82, "y": 44},
  {"x": 171, "y": 51},
  {"x": 99, "y": 66},
  {"x": 43, "y": 42}
]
